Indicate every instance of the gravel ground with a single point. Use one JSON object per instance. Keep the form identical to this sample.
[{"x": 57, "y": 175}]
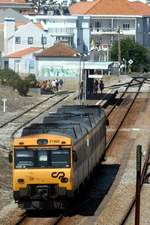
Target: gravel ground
[{"x": 15, "y": 103}]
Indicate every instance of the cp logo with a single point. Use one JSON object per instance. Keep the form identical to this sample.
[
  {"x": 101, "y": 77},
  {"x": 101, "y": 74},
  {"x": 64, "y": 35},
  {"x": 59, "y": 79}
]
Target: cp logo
[{"x": 60, "y": 175}]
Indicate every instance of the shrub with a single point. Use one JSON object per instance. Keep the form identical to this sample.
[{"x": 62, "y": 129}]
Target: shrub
[
  {"x": 22, "y": 86},
  {"x": 8, "y": 77},
  {"x": 31, "y": 80}
]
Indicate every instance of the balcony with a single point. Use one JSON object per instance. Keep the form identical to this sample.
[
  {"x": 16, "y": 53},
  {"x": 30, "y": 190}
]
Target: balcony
[
  {"x": 61, "y": 31},
  {"x": 104, "y": 30}
]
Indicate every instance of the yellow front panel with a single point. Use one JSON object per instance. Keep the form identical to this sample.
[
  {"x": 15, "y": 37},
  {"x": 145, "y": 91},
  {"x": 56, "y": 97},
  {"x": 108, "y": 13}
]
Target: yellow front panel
[
  {"x": 31, "y": 140},
  {"x": 41, "y": 176}
]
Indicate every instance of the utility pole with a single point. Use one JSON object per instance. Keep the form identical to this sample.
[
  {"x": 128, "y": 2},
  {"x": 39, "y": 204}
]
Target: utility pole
[{"x": 119, "y": 53}]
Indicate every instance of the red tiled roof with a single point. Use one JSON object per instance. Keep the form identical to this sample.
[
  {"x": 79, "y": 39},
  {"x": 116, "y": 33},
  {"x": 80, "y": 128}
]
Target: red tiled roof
[
  {"x": 23, "y": 52},
  {"x": 110, "y": 7},
  {"x": 13, "y": 1},
  {"x": 58, "y": 50},
  {"x": 83, "y": 7}
]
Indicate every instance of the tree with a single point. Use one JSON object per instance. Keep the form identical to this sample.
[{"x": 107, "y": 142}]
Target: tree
[
  {"x": 43, "y": 5},
  {"x": 132, "y": 50}
]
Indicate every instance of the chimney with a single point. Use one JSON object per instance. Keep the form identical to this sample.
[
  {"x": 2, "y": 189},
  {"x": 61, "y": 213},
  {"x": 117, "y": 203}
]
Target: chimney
[{"x": 9, "y": 29}]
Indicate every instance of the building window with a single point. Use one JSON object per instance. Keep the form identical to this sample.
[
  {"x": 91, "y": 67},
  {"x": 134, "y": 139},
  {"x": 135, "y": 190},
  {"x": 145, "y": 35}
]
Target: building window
[
  {"x": 97, "y": 24},
  {"x": 126, "y": 26},
  {"x": 43, "y": 40},
  {"x": 30, "y": 40},
  {"x": 17, "y": 40},
  {"x": 6, "y": 65}
]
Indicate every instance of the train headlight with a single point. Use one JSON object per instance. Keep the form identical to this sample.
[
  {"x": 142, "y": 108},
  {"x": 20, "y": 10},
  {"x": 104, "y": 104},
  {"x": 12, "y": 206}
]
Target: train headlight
[
  {"x": 42, "y": 141},
  {"x": 20, "y": 180}
]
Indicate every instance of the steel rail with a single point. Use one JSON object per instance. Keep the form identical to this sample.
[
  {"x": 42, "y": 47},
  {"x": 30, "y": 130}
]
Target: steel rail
[
  {"x": 26, "y": 111},
  {"x": 126, "y": 113},
  {"x": 34, "y": 117},
  {"x": 25, "y": 216},
  {"x": 125, "y": 91}
]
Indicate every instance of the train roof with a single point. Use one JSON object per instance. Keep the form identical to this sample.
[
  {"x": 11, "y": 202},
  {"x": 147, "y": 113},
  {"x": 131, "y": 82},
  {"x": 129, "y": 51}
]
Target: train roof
[{"x": 74, "y": 121}]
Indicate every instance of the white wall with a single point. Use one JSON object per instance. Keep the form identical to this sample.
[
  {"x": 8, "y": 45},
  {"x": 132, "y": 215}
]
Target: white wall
[
  {"x": 24, "y": 65},
  {"x": 58, "y": 67}
]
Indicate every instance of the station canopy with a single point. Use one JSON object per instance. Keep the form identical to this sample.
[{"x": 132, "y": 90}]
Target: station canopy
[{"x": 97, "y": 65}]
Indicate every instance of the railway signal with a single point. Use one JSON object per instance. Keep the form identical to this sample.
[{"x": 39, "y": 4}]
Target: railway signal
[{"x": 130, "y": 61}]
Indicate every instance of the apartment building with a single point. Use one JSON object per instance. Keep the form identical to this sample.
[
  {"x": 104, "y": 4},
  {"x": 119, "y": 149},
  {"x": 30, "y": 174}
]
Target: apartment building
[
  {"x": 113, "y": 19},
  {"x": 96, "y": 24}
]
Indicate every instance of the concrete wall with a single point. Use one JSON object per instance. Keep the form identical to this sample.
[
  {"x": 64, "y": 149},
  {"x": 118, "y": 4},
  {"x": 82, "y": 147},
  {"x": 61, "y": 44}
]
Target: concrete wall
[{"x": 56, "y": 67}]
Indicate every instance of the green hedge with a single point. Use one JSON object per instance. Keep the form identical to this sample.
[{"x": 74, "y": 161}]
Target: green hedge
[{"x": 10, "y": 78}]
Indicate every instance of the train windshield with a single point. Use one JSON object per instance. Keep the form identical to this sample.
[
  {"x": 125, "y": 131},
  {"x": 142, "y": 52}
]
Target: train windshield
[{"x": 42, "y": 158}]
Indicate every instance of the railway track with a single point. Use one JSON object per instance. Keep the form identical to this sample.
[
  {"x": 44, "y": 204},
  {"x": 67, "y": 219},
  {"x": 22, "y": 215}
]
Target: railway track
[
  {"x": 27, "y": 220},
  {"x": 122, "y": 107},
  {"x": 11, "y": 127}
]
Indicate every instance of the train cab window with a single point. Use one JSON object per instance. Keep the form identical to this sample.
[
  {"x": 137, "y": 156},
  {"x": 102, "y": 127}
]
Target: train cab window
[
  {"x": 42, "y": 158},
  {"x": 53, "y": 158},
  {"x": 60, "y": 158},
  {"x": 24, "y": 158}
]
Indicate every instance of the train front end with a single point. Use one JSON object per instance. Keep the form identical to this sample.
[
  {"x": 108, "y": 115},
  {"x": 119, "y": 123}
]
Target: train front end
[{"x": 42, "y": 171}]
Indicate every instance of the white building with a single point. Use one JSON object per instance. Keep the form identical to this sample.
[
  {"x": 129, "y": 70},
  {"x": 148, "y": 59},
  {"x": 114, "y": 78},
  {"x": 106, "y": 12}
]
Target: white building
[
  {"x": 22, "y": 62},
  {"x": 58, "y": 61},
  {"x": 109, "y": 21},
  {"x": 25, "y": 36},
  {"x": 63, "y": 28}
]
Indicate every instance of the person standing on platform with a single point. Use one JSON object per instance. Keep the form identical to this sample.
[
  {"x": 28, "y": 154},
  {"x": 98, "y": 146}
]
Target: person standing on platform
[
  {"x": 95, "y": 86},
  {"x": 101, "y": 86}
]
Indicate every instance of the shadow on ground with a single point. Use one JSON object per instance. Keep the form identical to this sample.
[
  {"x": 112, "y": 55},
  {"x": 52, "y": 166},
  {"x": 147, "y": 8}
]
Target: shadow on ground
[{"x": 95, "y": 190}]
